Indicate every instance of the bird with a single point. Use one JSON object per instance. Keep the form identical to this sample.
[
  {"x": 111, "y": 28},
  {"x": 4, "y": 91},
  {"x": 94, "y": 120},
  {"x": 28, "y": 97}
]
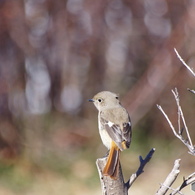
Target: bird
[{"x": 114, "y": 128}]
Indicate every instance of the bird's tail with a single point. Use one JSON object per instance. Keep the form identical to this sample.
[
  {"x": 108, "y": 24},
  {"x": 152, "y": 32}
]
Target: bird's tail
[{"x": 112, "y": 166}]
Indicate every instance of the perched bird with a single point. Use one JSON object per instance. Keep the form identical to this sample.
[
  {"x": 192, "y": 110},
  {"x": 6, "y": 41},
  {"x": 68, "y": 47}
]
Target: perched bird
[{"x": 114, "y": 128}]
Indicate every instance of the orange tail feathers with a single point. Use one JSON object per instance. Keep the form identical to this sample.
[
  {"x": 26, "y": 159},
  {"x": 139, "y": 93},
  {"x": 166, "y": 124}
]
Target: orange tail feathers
[{"x": 112, "y": 166}]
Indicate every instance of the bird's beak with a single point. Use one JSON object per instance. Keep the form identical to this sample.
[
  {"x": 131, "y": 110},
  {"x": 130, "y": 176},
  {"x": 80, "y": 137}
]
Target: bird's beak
[{"x": 91, "y": 100}]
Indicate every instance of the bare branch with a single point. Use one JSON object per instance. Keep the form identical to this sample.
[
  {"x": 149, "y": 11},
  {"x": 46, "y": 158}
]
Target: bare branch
[
  {"x": 181, "y": 120},
  {"x": 170, "y": 123},
  {"x": 183, "y": 62},
  {"x": 170, "y": 179},
  {"x": 189, "y": 180},
  {"x": 117, "y": 186},
  {"x": 188, "y": 142},
  {"x": 140, "y": 170},
  {"x": 180, "y": 113},
  {"x": 191, "y": 90}
]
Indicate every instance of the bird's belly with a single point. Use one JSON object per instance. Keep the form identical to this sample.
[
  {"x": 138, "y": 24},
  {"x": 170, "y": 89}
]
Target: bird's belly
[
  {"x": 105, "y": 138},
  {"x": 103, "y": 134}
]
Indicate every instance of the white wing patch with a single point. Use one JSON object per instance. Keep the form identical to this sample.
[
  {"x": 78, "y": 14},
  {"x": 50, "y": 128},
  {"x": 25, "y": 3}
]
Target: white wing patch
[{"x": 110, "y": 124}]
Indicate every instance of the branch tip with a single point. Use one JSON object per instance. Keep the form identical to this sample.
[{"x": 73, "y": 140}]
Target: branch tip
[
  {"x": 191, "y": 90},
  {"x": 183, "y": 62}
]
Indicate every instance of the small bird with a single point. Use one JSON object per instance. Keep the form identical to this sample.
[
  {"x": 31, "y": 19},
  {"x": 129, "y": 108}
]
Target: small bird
[{"x": 114, "y": 128}]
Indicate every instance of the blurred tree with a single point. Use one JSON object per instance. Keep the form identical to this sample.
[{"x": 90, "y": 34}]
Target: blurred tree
[{"x": 56, "y": 54}]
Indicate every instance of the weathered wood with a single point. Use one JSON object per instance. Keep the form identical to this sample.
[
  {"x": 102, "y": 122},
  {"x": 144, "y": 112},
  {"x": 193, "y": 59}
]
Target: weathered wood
[
  {"x": 111, "y": 186},
  {"x": 118, "y": 186}
]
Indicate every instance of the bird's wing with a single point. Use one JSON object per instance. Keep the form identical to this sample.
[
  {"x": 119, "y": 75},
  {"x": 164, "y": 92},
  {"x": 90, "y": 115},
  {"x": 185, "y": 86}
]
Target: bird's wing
[{"x": 119, "y": 133}]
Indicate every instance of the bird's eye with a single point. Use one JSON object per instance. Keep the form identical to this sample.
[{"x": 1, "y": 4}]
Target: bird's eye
[
  {"x": 99, "y": 100},
  {"x": 117, "y": 97}
]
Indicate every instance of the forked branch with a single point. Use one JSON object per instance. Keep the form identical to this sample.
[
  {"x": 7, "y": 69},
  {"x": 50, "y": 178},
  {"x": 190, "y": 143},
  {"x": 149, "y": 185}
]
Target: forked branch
[
  {"x": 181, "y": 120},
  {"x": 179, "y": 134},
  {"x": 189, "y": 180},
  {"x": 140, "y": 170},
  {"x": 118, "y": 186}
]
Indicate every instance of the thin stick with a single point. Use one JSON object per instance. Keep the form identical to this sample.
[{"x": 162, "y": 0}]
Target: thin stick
[
  {"x": 189, "y": 146},
  {"x": 168, "y": 120},
  {"x": 176, "y": 95},
  {"x": 189, "y": 180},
  {"x": 183, "y": 62},
  {"x": 191, "y": 90},
  {"x": 140, "y": 170},
  {"x": 170, "y": 179}
]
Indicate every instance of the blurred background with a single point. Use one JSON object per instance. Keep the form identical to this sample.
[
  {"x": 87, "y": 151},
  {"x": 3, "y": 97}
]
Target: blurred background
[{"x": 55, "y": 55}]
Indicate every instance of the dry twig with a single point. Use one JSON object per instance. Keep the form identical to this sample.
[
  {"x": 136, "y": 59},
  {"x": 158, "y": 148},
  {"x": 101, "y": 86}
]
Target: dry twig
[
  {"x": 189, "y": 68},
  {"x": 181, "y": 120},
  {"x": 170, "y": 179},
  {"x": 140, "y": 170},
  {"x": 183, "y": 62},
  {"x": 178, "y": 134},
  {"x": 189, "y": 180}
]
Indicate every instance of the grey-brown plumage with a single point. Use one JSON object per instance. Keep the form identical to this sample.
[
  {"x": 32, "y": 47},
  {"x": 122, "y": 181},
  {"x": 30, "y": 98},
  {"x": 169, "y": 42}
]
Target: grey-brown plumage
[{"x": 114, "y": 128}]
